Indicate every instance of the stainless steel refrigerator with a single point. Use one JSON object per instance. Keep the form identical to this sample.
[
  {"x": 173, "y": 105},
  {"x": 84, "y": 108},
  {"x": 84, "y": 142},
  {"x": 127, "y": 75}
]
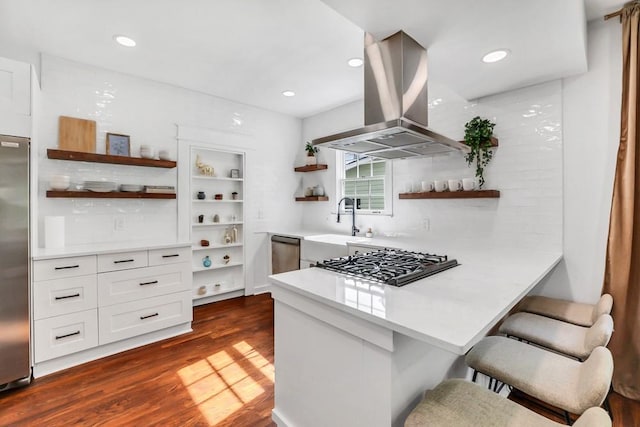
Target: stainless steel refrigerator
[{"x": 15, "y": 364}]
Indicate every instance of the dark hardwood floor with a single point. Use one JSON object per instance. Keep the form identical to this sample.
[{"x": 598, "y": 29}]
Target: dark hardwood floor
[{"x": 220, "y": 374}]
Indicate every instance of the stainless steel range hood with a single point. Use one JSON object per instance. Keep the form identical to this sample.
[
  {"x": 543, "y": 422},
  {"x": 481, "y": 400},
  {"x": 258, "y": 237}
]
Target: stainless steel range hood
[{"x": 395, "y": 105}]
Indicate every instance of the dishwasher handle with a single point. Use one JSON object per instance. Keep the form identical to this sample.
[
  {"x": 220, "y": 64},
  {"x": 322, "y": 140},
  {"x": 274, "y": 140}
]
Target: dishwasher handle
[{"x": 286, "y": 240}]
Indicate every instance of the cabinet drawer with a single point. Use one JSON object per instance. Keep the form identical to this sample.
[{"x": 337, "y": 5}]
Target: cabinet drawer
[
  {"x": 122, "y": 286},
  {"x": 64, "y": 296},
  {"x": 169, "y": 256},
  {"x": 49, "y": 269},
  {"x": 133, "y": 318},
  {"x": 122, "y": 261},
  {"x": 61, "y": 335}
]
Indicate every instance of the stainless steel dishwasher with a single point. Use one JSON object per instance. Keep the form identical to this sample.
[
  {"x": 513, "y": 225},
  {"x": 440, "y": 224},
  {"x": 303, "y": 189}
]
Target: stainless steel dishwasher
[{"x": 285, "y": 254}]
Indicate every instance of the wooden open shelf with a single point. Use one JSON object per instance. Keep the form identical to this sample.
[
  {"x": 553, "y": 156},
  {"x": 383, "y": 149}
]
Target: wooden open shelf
[
  {"x": 310, "y": 168},
  {"x": 109, "y": 195},
  {"x": 476, "y": 194},
  {"x": 105, "y": 158},
  {"x": 312, "y": 199},
  {"x": 494, "y": 141}
]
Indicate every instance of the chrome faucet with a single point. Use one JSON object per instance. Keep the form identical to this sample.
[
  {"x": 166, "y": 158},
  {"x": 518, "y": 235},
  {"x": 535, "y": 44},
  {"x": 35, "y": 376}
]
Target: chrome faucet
[{"x": 354, "y": 229}]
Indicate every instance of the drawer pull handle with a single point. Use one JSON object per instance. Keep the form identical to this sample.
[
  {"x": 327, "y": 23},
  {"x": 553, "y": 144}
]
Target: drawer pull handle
[
  {"x": 170, "y": 256},
  {"x": 67, "y": 267},
  {"x": 148, "y": 283},
  {"x": 148, "y": 316},
  {"x": 123, "y": 260},
  {"x": 68, "y": 296},
  {"x": 59, "y": 337}
]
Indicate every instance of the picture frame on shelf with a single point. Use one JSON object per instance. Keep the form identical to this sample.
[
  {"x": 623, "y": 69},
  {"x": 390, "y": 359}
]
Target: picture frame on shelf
[
  {"x": 235, "y": 173},
  {"x": 118, "y": 144}
]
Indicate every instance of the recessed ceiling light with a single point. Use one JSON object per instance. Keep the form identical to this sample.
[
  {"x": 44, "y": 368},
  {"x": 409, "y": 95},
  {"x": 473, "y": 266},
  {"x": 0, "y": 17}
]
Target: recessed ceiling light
[
  {"x": 289, "y": 93},
  {"x": 495, "y": 56},
  {"x": 124, "y": 41},
  {"x": 355, "y": 62}
]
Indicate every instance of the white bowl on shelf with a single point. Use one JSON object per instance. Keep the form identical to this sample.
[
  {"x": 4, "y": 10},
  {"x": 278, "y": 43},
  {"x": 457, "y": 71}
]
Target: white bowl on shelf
[{"x": 59, "y": 182}]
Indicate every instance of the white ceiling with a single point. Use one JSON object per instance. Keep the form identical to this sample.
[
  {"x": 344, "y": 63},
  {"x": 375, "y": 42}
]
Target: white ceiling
[{"x": 251, "y": 50}]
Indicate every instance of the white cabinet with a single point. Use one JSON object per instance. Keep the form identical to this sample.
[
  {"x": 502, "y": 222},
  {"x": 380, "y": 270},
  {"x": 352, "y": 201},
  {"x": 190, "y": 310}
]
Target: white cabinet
[
  {"x": 217, "y": 227},
  {"x": 61, "y": 296},
  {"x": 84, "y": 302},
  {"x": 133, "y": 318},
  {"x": 62, "y": 335},
  {"x": 15, "y": 98}
]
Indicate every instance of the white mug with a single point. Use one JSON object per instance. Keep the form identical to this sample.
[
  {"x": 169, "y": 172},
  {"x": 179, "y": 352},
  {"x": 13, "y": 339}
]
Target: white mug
[
  {"x": 455, "y": 185},
  {"x": 440, "y": 185},
  {"x": 427, "y": 186},
  {"x": 469, "y": 184}
]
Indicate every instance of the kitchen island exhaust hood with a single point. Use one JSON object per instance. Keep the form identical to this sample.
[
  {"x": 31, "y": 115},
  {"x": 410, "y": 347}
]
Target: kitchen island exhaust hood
[{"x": 395, "y": 105}]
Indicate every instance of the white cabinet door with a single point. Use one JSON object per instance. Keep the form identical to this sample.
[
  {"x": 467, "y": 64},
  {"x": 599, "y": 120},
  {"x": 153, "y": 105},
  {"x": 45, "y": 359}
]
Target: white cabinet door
[
  {"x": 128, "y": 285},
  {"x": 61, "y": 335},
  {"x": 169, "y": 256},
  {"x": 64, "y": 296},
  {"x": 129, "y": 319},
  {"x": 122, "y": 261},
  {"x": 49, "y": 269},
  {"x": 15, "y": 97}
]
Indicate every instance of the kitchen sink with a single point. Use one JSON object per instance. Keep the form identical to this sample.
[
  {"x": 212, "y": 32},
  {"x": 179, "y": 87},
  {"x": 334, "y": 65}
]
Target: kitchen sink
[{"x": 336, "y": 239}]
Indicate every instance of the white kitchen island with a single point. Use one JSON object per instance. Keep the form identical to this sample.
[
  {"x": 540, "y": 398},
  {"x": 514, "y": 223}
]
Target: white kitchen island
[{"x": 350, "y": 352}]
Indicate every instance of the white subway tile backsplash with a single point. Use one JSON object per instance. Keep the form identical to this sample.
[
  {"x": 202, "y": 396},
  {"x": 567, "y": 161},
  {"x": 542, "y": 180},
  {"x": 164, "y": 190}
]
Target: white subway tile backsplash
[{"x": 526, "y": 168}]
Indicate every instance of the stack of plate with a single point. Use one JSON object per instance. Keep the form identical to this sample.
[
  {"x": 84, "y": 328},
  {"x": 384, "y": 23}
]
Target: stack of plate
[
  {"x": 132, "y": 188},
  {"x": 100, "y": 186}
]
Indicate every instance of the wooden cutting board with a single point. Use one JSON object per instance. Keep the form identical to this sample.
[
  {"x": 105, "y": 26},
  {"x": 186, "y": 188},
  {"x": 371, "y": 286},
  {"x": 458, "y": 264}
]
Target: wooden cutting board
[{"x": 77, "y": 134}]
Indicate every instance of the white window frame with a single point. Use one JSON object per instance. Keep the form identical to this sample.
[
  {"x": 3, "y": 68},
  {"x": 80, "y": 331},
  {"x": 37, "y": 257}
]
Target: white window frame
[{"x": 388, "y": 188}]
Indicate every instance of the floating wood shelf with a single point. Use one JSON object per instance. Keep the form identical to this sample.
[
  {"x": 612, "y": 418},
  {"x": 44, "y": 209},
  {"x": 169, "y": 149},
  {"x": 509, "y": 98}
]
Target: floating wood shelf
[
  {"x": 312, "y": 199},
  {"x": 105, "y": 158},
  {"x": 477, "y": 194},
  {"x": 310, "y": 168},
  {"x": 109, "y": 195},
  {"x": 494, "y": 142}
]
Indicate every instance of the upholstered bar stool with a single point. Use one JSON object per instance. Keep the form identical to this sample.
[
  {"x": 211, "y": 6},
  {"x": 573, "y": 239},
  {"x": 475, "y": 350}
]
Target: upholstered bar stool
[
  {"x": 460, "y": 403},
  {"x": 568, "y": 311},
  {"x": 566, "y": 338},
  {"x": 568, "y": 384}
]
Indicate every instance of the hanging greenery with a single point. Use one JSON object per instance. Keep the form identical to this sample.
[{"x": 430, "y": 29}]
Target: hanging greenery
[{"x": 477, "y": 135}]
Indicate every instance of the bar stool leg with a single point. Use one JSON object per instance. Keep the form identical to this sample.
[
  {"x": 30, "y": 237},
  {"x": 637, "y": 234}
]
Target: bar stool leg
[
  {"x": 567, "y": 418},
  {"x": 475, "y": 375}
]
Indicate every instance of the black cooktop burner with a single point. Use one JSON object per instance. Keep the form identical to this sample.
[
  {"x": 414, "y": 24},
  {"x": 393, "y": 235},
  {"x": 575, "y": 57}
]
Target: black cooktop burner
[{"x": 391, "y": 266}]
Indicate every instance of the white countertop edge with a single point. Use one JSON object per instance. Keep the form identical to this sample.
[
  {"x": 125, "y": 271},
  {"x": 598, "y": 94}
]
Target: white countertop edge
[
  {"x": 103, "y": 248},
  {"x": 373, "y": 319},
  {"x": 453, "y": 347}
]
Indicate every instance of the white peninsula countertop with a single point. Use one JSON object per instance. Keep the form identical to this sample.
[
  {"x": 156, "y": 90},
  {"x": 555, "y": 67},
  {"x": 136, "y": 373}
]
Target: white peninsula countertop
[{"x": 452, "y": 309}]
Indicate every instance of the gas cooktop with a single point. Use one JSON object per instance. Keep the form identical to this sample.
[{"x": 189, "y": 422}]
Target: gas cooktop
[{"x": 390, "y": 266}]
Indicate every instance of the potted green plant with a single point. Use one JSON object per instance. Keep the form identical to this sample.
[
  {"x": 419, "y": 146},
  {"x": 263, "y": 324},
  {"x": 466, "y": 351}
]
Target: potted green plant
[
  {"x": 477, "y": 135},
  {"x": 311, "y": 154}
]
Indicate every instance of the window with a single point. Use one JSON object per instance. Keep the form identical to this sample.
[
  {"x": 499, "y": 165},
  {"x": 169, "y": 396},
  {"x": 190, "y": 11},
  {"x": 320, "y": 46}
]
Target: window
[{"x": 367, "y": 180}]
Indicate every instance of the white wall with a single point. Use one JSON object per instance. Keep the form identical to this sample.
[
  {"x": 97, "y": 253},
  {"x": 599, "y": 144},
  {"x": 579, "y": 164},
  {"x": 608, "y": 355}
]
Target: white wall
[
  {"x": 526, "y": 168},
  {"x": 149, "y": 112},
  {"x": 591, "y": 135}
]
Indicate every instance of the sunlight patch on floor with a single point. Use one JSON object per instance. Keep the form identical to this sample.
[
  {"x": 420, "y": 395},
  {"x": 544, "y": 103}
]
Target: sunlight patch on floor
[{"x": 220, "y": 386}]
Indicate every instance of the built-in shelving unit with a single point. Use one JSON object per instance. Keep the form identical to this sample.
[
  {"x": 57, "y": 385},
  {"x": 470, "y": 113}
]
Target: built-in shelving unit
[
  {"x": 223, "y": 278},
  {"x": 476, "y": 194},
  {"x": 105, "y": 158},
  {"x": 310, "y": 168},
  {"x": 312, "y": 199},
  {"x": 108, "y": 195}
]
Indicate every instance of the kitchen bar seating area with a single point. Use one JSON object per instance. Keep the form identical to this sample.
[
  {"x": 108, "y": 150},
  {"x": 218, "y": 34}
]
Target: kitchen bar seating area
[{"x": 574, "y": 384}]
